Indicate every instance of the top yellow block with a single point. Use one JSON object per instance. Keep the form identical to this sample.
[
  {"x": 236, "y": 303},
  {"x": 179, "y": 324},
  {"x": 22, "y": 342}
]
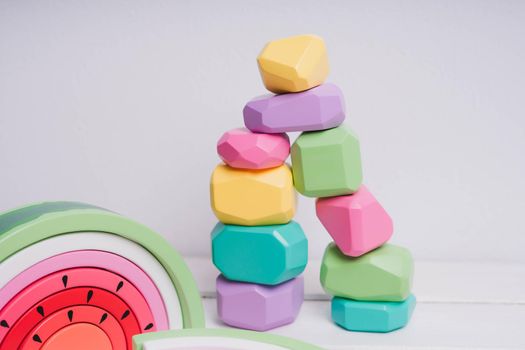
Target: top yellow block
[{"x": 293, "y": 64}]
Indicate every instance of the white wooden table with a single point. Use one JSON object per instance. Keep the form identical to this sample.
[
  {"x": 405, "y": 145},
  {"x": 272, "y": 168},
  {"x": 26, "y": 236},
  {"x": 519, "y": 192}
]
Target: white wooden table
[{"x": 460, "y": 306}]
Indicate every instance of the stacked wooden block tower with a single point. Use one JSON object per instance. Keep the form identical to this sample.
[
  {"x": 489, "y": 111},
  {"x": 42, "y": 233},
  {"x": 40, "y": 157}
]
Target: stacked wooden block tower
[{"x": 258, "y": 250}]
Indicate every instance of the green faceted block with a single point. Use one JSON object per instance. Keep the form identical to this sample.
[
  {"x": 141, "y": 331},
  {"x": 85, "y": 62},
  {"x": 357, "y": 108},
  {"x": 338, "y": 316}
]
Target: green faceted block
[
  {"x": 384, "y": 274},
  {"x": 327, "y": 163},
  {"x": 372, "y": 316}
]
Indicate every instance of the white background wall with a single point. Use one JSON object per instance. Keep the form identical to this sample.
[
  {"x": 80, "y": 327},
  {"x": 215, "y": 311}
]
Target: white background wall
[{"x": 120, "y": 103}]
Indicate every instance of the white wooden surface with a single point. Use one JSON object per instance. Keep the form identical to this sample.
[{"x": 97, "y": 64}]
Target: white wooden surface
[{"x": 460, "y": 306}]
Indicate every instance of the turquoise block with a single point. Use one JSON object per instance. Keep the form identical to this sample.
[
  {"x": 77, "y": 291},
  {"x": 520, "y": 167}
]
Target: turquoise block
[
  {"x": 266, "y": 255},
  {"x": 372, "y": 316}
]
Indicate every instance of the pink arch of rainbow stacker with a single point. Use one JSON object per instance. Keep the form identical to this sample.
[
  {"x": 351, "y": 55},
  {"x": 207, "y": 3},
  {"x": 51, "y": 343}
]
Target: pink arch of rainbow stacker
[{"x": 92, "y": 258}]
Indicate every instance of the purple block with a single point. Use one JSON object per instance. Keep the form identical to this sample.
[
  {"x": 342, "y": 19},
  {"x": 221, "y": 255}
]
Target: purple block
[
  {"x": 319, "y": 108},
  {"x": 259, "y": 307}
]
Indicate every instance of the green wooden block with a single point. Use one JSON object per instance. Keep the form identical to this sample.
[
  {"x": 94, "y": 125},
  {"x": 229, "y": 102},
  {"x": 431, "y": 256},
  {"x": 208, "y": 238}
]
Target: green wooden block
[
  {"x": 384, "y": 274},
  {"x": 327, "y": 163}
]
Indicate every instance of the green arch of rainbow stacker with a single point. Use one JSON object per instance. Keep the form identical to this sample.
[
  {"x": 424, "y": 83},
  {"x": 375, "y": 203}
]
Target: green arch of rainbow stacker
[
  {"x": 264, "y": 338},
  {"x": 22, "y": 227}
]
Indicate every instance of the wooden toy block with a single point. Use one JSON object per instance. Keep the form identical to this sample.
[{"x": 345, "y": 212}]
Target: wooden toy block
[
  {"x": 79, "y": 336},
  {"x": 72, "y": 315},
  {"x": 372, "y": 316},
  {"x": 260, "y": 254},
  {"x": 293, "y": 64},
  {"x": 384, "y": 274},
  {"x": 252, "y": 197},
  {"x": 357, "y": 223},
  {"x": 243, "y": 149},
  {"x": 258, "y": 307},
  {"x": 316, "y": 109},
  {"x": 217, "y": 339},
  {"x": 327, "y": 163}
]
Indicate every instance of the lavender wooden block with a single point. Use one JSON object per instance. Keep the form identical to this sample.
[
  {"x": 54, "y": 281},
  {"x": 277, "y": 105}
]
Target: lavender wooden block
[
  {"x": 319, "y": 108},
  {"x": 259, "y": 307}
]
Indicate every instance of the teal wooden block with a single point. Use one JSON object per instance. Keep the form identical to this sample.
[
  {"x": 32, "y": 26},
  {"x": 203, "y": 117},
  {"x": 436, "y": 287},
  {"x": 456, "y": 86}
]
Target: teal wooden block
[
  {"x": 372, "y": 316},
  {"x": 266, "y": 255}
]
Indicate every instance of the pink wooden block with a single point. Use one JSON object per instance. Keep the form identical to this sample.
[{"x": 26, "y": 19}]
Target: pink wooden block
[
  {"x": 241, "y": 148},
  {"x": 357, "y": 223}
]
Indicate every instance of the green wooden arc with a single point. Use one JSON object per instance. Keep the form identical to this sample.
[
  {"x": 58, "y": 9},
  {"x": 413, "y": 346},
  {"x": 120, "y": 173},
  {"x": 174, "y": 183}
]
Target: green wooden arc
[
  {"x": 265, "y": 338},
  {"x": 22, "y": 227}
]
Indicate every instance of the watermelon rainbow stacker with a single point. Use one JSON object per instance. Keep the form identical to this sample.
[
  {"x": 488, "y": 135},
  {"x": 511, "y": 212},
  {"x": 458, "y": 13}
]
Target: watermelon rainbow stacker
[{"x": 66, "y": 266}]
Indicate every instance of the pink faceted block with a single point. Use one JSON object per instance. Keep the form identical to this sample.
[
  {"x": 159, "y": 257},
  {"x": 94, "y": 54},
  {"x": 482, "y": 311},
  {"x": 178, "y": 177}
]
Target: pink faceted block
[
  {"x": 357, "y": 223},
  {"x": 241, "y": 148},
  {"x": 259, "y": 307}
]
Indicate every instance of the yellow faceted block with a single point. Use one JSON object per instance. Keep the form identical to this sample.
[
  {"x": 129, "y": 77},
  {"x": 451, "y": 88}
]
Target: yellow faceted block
[
  {"x": 252, "y": 197},
  {"x": 293, "y": 64}
]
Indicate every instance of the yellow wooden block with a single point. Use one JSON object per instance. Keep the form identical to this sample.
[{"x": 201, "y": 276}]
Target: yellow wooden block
[
  {"x": 293, "y": 64},
  {"x": 252, "y": 197}
]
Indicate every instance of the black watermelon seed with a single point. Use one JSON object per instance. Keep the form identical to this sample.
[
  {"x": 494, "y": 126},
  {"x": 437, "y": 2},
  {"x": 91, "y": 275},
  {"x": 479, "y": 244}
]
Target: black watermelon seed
[
  {"x": 4, "y": 324},
  {"x": 40, "y": 310},
  {"x": 149, "y": 326},
  {"x": 70, "y": 315},
  {"x": 89, "y": 295},
  {"x": 37, "y": 338},
  {"x": 125, "y": 314},
  {"x": 64, "y": 281},
  {"x": 103, "y": 318},
  {"x": 120, "y": 284}
]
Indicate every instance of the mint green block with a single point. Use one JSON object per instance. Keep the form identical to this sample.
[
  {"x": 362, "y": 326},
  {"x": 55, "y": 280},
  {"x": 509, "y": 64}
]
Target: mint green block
[
  {"x": 384, "y": 274},
  {"x": 372, "y": 316},
  {"x": 327, "y": 163},
  {"x": 266, "y": 255}
]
